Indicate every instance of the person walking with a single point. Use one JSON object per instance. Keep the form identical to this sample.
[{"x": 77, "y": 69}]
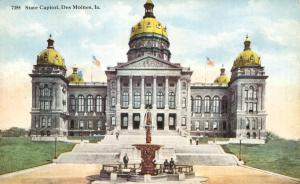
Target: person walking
[
  {"x": 172, "y": 165},
  {"x": 117, "y": 135},
  {"x": 125, "y": 160}
]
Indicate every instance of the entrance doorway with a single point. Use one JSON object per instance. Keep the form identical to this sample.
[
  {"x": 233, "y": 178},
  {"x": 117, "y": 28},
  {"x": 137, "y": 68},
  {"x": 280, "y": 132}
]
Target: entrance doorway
[
  {"x": 160, "y": 121},
  {"x": 136, "y": 121},
  {"x": 172, "y": 121}
]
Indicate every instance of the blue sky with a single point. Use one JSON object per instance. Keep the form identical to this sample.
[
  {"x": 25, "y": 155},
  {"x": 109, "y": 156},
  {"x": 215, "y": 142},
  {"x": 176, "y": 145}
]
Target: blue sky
[{"x": 197, "y": 28}]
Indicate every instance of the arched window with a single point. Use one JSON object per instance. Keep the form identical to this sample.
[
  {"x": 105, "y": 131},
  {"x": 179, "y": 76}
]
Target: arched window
[
  {"x": 99, "y": 103},
  {"x": 247, "y": 124},
  {"x": 43, "y": 122},
  {"x": 125, "y": 99},
  {"x": 197, "y": 104},
  {"x": 207, "y": 104},
  {"x": 137, "y": 100},
  {"x": 160, "y": 100},
  {"x": 216, "y": 104},
  {"x": 80, "y": 103},
  {"x": 148, "y": 98},
  {"x": 49, "y": 122},
  {"x": 171, "y": 100},
  {"x": 90, "y": 103},
  {"x": 254, "y": 135},
  {"x": 224, "y": 104},
  {"x": 72, "y": 103},
  {"x": 248, "y": 135}
]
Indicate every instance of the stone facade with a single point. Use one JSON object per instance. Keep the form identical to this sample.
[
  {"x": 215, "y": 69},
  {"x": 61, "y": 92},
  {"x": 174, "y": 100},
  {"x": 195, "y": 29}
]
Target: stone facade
[{"x": 149, "y": 79}]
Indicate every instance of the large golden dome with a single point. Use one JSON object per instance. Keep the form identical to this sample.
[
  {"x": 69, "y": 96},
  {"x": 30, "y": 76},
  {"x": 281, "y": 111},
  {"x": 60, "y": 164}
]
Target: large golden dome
[
  {"x": 247, "y": 57},
  {"x": 51, "y": 56},
  {"x": 149, "y": 24}
]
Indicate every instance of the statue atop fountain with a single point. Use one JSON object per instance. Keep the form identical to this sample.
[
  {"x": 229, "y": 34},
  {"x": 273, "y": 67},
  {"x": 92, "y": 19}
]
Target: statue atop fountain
[{"x": 148, "y": 150}]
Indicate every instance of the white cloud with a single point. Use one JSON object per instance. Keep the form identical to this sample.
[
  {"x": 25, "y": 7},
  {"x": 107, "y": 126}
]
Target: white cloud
[{"x": 15, "y": 93}]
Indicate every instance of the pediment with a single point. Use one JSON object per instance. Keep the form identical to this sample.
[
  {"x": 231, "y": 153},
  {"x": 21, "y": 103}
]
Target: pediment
[{"x": 148, "y": 62}]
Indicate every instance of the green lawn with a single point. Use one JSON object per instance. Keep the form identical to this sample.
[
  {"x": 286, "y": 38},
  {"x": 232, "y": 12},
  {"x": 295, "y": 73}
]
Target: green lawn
[
  {"x": 17, "y": 153},
  {"x": 277, "y": 155}
]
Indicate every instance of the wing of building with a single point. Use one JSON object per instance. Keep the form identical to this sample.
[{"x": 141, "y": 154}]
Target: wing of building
[{"x": 67, "y": 106}]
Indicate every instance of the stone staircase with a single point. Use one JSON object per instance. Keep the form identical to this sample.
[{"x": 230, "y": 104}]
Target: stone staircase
[{"x": 111, "y": 150}]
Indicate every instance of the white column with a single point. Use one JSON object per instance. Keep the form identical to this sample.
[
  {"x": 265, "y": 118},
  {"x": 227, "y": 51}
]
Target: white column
[
  {"x": 130, "y": 92},
  {"x": 130, "y": 121},
  {"x": 167, "y": 93},
  {"x": 142, "y": 92},
  {"x": 154, "y": 92},
  {"x": 142, "y": 117},
  {"x": 166, "y": 121}
]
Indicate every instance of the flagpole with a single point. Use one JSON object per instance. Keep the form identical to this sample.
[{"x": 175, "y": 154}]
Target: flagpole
[
  {"x": 205, "y": 73},
  {"x": 92, "y": 73}
]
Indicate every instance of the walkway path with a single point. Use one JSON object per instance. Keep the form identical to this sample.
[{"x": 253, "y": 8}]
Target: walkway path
[{"x": 75, "y": 174}]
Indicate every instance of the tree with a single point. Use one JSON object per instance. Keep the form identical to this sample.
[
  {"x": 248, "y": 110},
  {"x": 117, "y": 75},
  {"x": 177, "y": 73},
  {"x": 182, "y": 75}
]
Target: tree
[{"x": 14, "y": 132}]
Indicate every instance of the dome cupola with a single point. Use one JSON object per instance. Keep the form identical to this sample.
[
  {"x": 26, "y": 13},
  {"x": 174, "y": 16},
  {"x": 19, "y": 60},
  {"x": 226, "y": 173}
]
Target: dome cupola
[
  {"x": 149, "y": 37},
  {"x": 222, "y": 79},
  {"x": 247, "y": 57},
  {"x": 75, "y": 77},
  {"x": 50, "y": 56}
]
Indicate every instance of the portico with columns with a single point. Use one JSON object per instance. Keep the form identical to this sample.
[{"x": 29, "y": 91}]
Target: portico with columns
[{"x": 150, "y": 83}]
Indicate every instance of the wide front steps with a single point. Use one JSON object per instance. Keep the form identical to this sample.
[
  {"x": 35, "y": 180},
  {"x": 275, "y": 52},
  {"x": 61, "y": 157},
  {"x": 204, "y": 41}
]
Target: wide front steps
[
  {"x": 124, "y": 139},
  {"x": 111, "y": 151}
]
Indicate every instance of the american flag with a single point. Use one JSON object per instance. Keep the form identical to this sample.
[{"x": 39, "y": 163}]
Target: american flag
[
  {"x": 210, "y": 62},
  {"x": 96, "y": 61}
]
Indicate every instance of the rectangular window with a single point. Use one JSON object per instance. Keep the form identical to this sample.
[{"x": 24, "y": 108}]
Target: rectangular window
[
  {"x": 81, "y": 124},
  {"x": 113, "y": 121},
  {"x": 49, "y": 122},
  {"x": 113, "y": 101},
  {"x": 183, "y": 102},
  {"x": 137, "y": 100},
  {"x": 183, "y": 121},
  {"x": 197, "y": 125},
  {"x": 125, "y": 99},
  {"x": 206, "y": 127},
  {"x": 90, "y": 124}
]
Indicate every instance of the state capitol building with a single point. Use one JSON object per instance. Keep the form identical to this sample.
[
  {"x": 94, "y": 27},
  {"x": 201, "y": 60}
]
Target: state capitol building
[{"x": 67, "y": 106}]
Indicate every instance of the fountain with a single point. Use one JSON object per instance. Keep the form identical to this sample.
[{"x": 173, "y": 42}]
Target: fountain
[
  {"x": 148, "y": 150},
  {"x": 148, "y": 170}
]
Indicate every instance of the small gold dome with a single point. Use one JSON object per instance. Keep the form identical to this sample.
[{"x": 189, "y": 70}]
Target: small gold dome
[
  {"x": 149, "y": 25},
  {"x": 222, "y": 79},
  {"x": 247, "y": 57},
  {"x": 51, "y": 56},
  {"x": 75, "y": 77}
]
